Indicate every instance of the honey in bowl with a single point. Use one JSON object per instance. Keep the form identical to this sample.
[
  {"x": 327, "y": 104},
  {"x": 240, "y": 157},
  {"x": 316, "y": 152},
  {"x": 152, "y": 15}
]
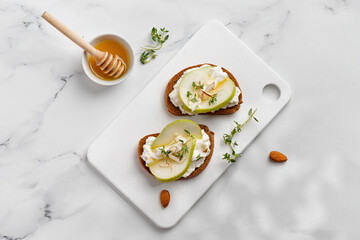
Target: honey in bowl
[{"x": 114, "y": 48}]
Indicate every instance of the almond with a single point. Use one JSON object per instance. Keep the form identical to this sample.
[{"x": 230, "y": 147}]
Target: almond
[
  {"x": 176, "y": 159},
  {"x": 210, "y": 87},
  {"x": 207, "y": 94},
  {"x": 277, "y": 156},
  {"x": 164, "y": 198}
]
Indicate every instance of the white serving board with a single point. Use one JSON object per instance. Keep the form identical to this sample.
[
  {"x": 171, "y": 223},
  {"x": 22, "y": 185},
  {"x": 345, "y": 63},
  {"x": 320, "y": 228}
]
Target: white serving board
[{"x": 114, "y": 153}]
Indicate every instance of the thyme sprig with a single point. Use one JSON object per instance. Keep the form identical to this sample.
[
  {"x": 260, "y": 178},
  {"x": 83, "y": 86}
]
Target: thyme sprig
[
  {"x": 228, "y": 138},
  {"x": 180, "y": 154},
  {"x": 159, "y": 37},
  {"x": 164, "y": 152},
  {"x": 184, "y": 149},
  {"x": 191, "y": 97}
]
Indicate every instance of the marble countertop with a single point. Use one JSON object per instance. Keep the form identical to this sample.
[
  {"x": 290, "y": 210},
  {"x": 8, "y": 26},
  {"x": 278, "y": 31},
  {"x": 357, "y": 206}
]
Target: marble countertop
[{"x": 50, "y": 112}]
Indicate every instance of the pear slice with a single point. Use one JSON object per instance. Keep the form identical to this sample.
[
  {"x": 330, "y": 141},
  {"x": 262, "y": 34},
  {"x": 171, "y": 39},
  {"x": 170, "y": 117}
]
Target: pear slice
[
  {"x": 224, "y": 90},
  {"x": 175, "y": 129},
  {"x": 168, "y": 170},
  {"x": 201, "y": 74}
]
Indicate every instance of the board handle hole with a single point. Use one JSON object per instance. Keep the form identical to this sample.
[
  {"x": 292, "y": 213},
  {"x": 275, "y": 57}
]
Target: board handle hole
[{"x": 271, "y": 92}]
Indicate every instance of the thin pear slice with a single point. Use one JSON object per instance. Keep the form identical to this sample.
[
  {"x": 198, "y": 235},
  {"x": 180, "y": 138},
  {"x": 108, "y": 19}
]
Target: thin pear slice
[
  {"x": 169, "y": 170},
  {"x": 174, "y": 129},
  {"x": 201, "y": 74},
  {"x": 226, "y": 85},
  {"x": 225, "y": 91}
]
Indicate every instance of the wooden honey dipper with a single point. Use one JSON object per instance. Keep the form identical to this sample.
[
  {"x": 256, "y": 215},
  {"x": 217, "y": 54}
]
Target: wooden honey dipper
[{"x": 108, "y": 63}]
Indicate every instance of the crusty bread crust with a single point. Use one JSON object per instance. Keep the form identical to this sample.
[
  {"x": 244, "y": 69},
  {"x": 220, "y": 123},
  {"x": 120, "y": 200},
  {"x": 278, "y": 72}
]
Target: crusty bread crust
[
  {"x": 197, "y": 170},
  {"x": 176, "y": 111}
]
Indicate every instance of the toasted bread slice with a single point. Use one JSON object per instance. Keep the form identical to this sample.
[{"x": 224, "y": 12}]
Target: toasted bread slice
[
  {"x": 197, "y": 170},
  {"x": 176, "y": 111}
]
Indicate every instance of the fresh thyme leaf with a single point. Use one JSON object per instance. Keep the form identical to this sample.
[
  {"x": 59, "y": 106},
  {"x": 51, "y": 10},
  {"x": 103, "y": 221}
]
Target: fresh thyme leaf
[
  {"x": 144, "y": 57},
  {"x": 229, "y": 137},
  {"x": 255, "y": 119},
  {"x": 233, "y": 131},
  {"x": 198, "y": 157},
  {"x": 187, "y": 132},
  {"x": 194, "y": 99},
  {"x": 159, "y": 37},
  {"x": 227, "y": 157},
  {"x": 180, "y": 154},
  {"x": 180, "y": 140},
  {"x": 213, "y": 99},
  {"x": 201, "y": 86},
  {"x": 188, "y": 94},
  {"x": 186, "y": 149},
  {"x": 197, "y": 87}
]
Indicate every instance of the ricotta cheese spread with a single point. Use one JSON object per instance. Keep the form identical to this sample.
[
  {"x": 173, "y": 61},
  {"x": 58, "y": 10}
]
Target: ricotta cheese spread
[
  {"x": 217, "y": 75},
  {"x": 202, "y": 150}
]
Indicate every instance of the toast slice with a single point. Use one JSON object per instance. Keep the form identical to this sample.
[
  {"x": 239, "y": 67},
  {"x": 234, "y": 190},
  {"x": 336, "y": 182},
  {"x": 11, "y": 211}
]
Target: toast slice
[
  {"x": 176, "y": 111},
  {"x": 197, "y": 170}
]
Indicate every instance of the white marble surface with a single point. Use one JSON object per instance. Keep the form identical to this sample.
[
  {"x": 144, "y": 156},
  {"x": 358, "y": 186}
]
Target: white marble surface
[{"x": 50, "y": 112}]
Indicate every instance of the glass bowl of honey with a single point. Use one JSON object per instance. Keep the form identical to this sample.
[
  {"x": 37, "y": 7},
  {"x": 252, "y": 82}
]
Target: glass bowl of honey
[{"x": 115, "y": 45}]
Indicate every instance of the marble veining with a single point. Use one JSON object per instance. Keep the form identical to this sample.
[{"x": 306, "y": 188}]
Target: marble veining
[{"x": 50, "y": 113}]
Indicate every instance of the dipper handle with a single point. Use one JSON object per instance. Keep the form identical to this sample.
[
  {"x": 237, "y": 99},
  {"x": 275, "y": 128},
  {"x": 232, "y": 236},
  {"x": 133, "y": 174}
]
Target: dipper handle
[{"x": 69, "y": 33}]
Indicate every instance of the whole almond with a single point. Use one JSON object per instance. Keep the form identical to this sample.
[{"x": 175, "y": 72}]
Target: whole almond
[
  {"x": 277, "y": 156},
  {"x": 164, "y": 198}
]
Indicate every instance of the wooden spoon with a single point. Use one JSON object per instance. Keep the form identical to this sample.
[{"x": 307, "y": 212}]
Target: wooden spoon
[{"x": 108, "y": 63}]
